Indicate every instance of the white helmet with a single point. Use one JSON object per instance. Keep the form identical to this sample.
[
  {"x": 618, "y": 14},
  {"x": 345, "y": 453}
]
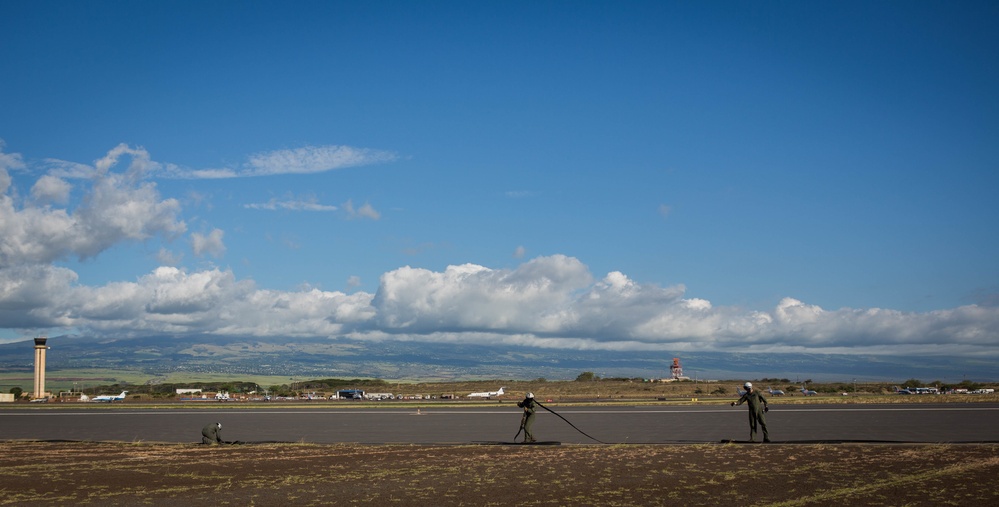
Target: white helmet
[
  {"x": 748, "y": 385},
  {"x": 530, "y": 395},
  {"x": 218, "y": 425}
]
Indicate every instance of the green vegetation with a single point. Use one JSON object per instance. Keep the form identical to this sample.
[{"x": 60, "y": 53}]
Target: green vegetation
[
  {"x": 586, "y": 386},
  {"x": 96, "y": 380}
]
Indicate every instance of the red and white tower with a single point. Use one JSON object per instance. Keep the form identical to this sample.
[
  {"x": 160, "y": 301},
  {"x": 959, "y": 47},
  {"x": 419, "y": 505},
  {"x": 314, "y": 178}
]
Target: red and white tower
[{"x": 675, "y": 370}]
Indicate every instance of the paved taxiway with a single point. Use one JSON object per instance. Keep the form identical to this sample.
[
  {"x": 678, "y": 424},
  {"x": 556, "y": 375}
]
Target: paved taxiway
[{"x": 950, "y": 422}]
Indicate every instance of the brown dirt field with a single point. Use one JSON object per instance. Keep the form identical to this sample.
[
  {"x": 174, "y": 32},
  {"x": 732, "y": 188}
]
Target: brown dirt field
[{"x": 87, "y": 473}]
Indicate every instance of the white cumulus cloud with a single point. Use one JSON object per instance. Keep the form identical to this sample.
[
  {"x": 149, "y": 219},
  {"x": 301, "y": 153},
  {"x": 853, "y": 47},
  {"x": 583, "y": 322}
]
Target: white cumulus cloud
[
  {"x": 365, "y": 211},
  {"x": 51, "y": 189},
  {"x": 4, "y": 180},
  {"x": 532, "y": 297},
  {"x": 208, "y": 244},
  {"x": 8, "y": 162},
  {"x": 115, "y": 207}
]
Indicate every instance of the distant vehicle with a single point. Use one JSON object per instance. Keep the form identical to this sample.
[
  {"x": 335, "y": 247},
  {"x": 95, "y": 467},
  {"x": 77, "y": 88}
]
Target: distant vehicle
[
  {"x": 109, "y": 398},
  {"x": 807, "y": 392},
  {"x": 487, "y": 394}
]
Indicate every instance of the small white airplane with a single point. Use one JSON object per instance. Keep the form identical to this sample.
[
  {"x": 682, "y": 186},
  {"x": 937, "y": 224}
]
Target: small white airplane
[
  {"x": 108, "y": 398},
  {"x": 808, "y": 392},
  {"x": 487, "y": 394},
  {"x": 775, "y": 392}
]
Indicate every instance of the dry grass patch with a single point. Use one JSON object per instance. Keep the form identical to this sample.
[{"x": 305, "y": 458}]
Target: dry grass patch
[{"x": 344, "y": 474}]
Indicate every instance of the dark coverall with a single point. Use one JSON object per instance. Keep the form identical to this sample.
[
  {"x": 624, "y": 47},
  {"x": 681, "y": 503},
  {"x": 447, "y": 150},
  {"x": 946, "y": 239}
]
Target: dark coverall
[
  {"x": 211, "y": 434},
  {"x": 527, "y": 420},
  {"x": 757, "y": 406}
]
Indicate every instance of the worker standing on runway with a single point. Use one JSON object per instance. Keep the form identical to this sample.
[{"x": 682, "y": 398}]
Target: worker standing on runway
[
  {"x": 212, "y": 434},
  {"x": 757, "y": 407},
  {"x": 527, "y": 420}
]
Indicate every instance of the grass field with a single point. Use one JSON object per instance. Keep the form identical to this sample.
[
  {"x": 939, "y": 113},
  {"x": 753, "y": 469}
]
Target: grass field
[
  {"x": 38, "y": 473},
  {"x": 65, "y": 380}
]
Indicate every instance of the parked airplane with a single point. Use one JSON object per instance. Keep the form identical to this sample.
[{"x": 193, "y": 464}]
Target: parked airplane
[
  {"x": 807, "y": 392},
  {"x": 487, "y": 394},
  {"x": 915, "y": 390},
  {"x": 107, "y": 398},
  {"x": 773, "y": 392}
]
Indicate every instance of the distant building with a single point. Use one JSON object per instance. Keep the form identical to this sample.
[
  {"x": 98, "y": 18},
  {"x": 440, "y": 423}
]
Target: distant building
[{"x": 350, "y": 394}]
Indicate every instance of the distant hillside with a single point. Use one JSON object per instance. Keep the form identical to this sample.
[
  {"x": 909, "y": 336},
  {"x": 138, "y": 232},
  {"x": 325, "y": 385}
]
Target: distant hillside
[{"x": 322, "y": 358}]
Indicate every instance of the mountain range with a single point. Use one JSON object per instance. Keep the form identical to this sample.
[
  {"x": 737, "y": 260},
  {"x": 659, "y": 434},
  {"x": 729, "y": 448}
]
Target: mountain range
[{"x": 407, "y": 360}]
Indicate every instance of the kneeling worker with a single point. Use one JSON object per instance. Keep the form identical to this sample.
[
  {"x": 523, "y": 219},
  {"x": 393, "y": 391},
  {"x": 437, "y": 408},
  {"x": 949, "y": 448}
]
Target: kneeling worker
[{"x": 212, "y": 434}]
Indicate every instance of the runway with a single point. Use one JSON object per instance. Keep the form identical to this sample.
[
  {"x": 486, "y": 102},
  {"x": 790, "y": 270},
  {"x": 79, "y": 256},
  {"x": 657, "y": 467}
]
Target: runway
[{"x": 950, "y": 422}]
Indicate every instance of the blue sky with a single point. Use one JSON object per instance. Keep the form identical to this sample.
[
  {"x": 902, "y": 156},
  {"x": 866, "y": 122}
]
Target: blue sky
[{"x": 784, "y": 176}]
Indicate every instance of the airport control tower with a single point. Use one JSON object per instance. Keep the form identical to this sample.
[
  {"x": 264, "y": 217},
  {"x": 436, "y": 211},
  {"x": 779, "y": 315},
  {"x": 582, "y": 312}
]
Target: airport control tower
[{"x": 40, "y": 349}]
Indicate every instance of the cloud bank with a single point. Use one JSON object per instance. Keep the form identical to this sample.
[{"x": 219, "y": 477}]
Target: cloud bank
[{"x": 550, "y": 301}]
